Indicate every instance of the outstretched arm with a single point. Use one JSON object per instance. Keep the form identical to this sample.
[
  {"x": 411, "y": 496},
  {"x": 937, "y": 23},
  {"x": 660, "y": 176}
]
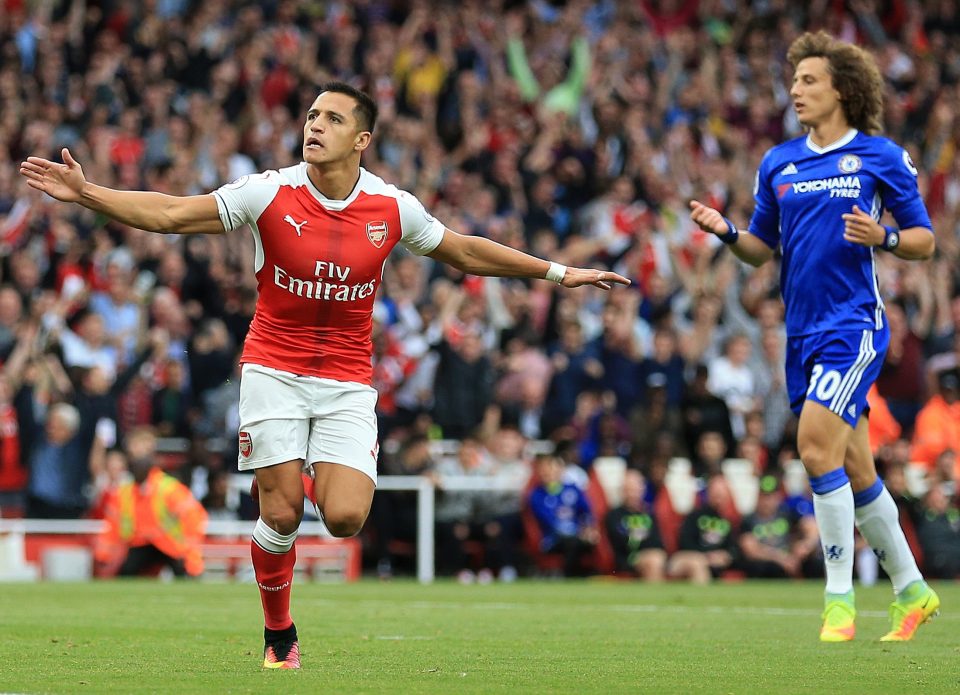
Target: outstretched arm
[
  {"x": 480, "y": 256},
  {"x": 154, "y": 212},
  {"x": 744, "y": 245}
]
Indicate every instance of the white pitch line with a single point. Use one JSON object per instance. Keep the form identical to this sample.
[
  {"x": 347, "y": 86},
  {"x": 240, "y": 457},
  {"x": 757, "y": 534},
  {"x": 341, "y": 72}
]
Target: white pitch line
[{"x": 772, "y": 611}]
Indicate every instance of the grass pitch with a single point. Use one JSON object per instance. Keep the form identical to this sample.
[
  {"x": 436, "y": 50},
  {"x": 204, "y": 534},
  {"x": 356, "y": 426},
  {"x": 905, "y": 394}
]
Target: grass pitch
[{"x": 529, "y": 637}]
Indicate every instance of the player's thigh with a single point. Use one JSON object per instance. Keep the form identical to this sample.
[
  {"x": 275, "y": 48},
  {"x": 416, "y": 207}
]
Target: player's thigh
[
  {"x": 842, "y": 366},
  {"x": 822, "y": 439},
  {"x": 344, "y": 495},
  {"x": 275, "y": 412},
  {"x": 281, "y": 495},
  {"x": 858, "y": 460},
  {"x": 275, "y": 451},
  {"x": 839, "y": 368},
  {"x": 343, "y": 450},
  {"x": 344, "y": 428}
]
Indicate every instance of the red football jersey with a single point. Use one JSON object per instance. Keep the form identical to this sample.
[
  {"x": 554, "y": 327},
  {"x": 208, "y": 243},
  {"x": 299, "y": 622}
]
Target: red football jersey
[{"x": 319, "y": 263}]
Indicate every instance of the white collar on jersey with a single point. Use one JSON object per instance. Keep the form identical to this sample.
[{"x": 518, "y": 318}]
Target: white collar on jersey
[
  {"x": 835, "y": 145},
  {"x": 330, "y": 203}
]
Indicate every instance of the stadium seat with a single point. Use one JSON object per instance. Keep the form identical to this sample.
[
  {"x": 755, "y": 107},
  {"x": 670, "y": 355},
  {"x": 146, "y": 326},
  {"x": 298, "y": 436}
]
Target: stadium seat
[
  {"x": 172, "y": 452},
  {"x": 322, "y": 559},
  {"x": 532, "y": 537},
  {"x": 535, "y": 447},
  {"x": 668, "y": 520},
  {"x": 445, "y": 447},
  {"x": 680, "y": 465},
  {"x": 13, "y": 560},
  {"x": 743, "y": 483},
  {"x": 795, "y": 480},
  {"x": 406, "y": 550},
  {"x": 910, "y": 532},
  {"x": 681, "y": 484},
  {"x": 915, "y": 475},
  {"x": 601, "y": 560},
  {"x": 609, "y": 472},
  {"x": 604, "y": 560},
  {"x": 12, "y": 511}
]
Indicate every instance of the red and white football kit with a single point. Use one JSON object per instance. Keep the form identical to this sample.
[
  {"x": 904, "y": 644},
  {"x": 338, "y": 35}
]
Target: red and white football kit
[{"x": 305, "y": 391}]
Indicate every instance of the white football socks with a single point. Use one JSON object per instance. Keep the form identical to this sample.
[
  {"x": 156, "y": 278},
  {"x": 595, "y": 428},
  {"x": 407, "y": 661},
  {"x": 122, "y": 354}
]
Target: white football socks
[
  {"x": 834, "y": 513},
  {"x": 879, "y": 523}
]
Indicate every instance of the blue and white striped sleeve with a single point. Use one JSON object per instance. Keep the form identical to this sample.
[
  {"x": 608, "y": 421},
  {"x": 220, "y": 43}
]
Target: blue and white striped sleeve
[
  {"x": 765, "y": 223},
  {"x": 900, "y": 192}
]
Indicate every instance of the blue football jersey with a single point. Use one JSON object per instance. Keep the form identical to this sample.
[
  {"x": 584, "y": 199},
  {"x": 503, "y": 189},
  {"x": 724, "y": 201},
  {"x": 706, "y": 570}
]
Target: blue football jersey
[{"x": 801, "y": 191}]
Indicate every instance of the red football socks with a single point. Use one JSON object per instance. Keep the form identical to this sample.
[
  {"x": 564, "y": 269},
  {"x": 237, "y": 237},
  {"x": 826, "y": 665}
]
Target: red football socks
[{"x": 274, "y": 572}]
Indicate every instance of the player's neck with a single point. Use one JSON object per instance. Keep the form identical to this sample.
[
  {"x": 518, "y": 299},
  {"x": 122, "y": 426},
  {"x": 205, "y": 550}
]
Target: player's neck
[
  {"x": 825, "y": 134},
  {"x": 335, "y": 183}
]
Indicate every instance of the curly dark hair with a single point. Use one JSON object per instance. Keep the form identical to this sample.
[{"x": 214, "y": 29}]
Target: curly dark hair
[{"x": 854, "y": 74}]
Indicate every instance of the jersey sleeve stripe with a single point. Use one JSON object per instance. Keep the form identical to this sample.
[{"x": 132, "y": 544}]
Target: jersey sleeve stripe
[{"x": 223, "y": 211}]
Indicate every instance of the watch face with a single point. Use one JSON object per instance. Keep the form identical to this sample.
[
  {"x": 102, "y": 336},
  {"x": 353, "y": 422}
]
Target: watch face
[{"x": 893, "y": 240}]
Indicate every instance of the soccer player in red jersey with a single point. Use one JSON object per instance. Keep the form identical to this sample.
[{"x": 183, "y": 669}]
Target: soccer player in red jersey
[{"x": 323, "y": 230}]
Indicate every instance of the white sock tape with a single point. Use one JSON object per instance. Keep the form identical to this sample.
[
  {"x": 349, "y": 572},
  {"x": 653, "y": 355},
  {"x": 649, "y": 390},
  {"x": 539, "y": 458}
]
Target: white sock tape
[{"x": 272, "y": 541}]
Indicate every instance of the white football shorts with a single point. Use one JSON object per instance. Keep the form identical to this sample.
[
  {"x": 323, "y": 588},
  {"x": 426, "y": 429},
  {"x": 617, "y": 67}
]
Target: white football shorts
[{"x": 284, "y": 417}]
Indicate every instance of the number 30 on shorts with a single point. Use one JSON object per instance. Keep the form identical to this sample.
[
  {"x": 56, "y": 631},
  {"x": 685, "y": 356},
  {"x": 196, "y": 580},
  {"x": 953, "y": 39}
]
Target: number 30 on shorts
[{"x": 823, "y": 385}]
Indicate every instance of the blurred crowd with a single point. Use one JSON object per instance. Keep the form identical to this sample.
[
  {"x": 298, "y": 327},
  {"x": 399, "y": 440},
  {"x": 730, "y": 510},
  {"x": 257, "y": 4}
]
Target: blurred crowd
[{"x": 574, "y": 130}]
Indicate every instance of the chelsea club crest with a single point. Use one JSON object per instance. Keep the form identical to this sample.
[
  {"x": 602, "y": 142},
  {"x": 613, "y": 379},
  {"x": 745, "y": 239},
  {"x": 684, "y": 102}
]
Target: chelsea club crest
[
  {"x": 849, "y": 164},
  {"x": 908, "y": 162}
]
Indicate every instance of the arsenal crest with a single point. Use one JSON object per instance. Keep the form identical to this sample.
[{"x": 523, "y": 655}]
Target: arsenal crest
[
  {"x": 377, "y": 232},
  {"x": 246, "y": 444}
]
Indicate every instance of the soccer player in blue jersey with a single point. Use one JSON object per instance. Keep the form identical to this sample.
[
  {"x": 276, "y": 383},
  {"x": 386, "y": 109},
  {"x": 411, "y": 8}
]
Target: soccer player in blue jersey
[{"x": 819, "y": 199}]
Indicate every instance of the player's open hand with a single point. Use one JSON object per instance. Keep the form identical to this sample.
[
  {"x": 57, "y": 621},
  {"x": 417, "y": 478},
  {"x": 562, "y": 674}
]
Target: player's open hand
[
  {"x": 604, "y": 279},
  {"x": 861, "y": 228},
  {"x": 707, "y": 218},
  {"x": 61, "y": 181}
]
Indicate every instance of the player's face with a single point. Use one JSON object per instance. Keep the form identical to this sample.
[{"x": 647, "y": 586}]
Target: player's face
[
  {"x": 814, "y": 97},
  {"x": 331, "y": 132}
]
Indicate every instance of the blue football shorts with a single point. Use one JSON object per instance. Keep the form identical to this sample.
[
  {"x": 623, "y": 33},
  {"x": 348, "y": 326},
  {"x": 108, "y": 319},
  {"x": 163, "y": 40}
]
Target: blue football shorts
[{"x": 835, "y": 369}]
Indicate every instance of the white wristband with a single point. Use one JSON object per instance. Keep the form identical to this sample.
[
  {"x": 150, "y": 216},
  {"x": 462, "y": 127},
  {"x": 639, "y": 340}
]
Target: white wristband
[{"x": 556, "y": 272}]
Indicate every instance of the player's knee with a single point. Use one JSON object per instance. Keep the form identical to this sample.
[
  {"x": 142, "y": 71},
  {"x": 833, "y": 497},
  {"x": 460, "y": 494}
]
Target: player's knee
[
  {"x": 860, "y": 478},
  {"x": 344, "y": 523},
  {"x": 860, "y": 470},
  {"x": 816, "y": 457},
  {"x": 283, "y": 519}
]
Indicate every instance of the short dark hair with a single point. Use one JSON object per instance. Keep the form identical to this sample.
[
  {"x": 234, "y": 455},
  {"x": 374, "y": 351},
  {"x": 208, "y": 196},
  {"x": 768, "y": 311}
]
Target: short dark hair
[
  {"x": 854, "y": 74},
  {"x": 365, "y": 111}
]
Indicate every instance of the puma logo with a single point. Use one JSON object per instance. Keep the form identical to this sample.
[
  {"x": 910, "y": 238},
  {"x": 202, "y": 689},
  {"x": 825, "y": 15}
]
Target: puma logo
[{"x": 296, "y": 226}]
